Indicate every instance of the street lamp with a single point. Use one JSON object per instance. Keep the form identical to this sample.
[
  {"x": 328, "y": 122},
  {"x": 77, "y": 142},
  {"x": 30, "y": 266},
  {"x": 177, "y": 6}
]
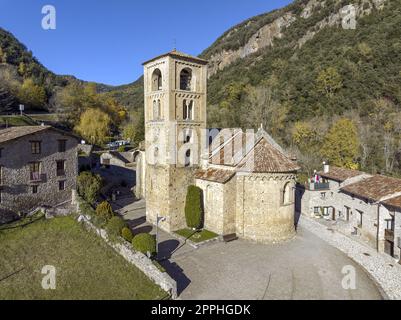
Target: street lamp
[{"x": 158, "y": 219}]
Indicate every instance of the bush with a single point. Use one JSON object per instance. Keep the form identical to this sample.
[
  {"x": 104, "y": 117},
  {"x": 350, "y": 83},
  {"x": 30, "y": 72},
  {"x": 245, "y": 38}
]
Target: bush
[
  {"x": 104, "y": 210},
  {"x": 121, "y": 149},
  {"x": 115, "y": 226},
  {"x": 144, "y": 242},
  {"x": 89, "y": 185},
  {"x": 193, "y": 207},
  {"x": 127, "y": 234}
]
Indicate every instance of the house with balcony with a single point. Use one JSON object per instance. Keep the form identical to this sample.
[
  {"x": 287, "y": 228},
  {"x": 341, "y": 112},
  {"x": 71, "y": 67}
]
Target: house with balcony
[
  {"x": 38, "y": 167},
  {"x": 359, "y": 204}
]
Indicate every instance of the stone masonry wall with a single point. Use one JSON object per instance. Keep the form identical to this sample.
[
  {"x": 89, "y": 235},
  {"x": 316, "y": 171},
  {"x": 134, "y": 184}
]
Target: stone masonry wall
[{"x": 17, "y": 192}]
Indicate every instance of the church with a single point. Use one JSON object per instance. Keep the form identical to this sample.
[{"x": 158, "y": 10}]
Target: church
[{"x": 247, "y": 179}]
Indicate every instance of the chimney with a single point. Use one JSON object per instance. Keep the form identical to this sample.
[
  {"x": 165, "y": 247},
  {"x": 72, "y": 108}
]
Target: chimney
[{"x": 326, "y": 167}]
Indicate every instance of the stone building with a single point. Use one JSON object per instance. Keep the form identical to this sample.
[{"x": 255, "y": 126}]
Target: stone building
[
  {"x": 250, "y": 192},
  {"x": 362, "y": 205},
  {"x": 38, "y": 167}
]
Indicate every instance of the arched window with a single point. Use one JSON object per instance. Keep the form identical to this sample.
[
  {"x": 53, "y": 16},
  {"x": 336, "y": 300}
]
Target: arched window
[
  {"x": 186, "y": 79},
  {"x": 287, "y": 197},
  {"x": 156, "y": 80}
]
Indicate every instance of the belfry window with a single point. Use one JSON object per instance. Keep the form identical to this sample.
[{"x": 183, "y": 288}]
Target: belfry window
[
  {"x": 188, "y": 110},
  {"x": 157, "y": 80},
  {"x": 186, "y": 79},
  {"x": 157, "y": 109}
]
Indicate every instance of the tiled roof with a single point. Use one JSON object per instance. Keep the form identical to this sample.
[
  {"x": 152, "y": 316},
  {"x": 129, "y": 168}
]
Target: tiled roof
[
  {"x": 394, "y": 202},
  {"x": 177, "y": 54},
  {"x": 215, "y": 175},
  {"x": 340, "y": 174},
  {"x": 374, "y": 188},
  {"x": 17, "y": 132},
  {"x": 264, "y": 157}
]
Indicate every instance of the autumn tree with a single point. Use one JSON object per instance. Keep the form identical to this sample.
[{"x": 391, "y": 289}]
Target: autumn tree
[
  {"x": 341, "y": 144},
  {"x": 32, "y": 94},
  {"x": 329, "y": 81},
  {"x": 94, "y": 126}
]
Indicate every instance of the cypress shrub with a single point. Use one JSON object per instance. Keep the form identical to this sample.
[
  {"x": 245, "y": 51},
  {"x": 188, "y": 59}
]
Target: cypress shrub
[
  {"x": 194, "y": 208},
  {"x": 127, "y": 234},
  {"x": 144, "y": 242},
  {"x": 104, "y": 210}
]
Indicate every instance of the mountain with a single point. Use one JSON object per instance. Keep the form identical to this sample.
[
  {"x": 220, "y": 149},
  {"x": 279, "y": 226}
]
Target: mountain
[{"x": 296, "y": 70}]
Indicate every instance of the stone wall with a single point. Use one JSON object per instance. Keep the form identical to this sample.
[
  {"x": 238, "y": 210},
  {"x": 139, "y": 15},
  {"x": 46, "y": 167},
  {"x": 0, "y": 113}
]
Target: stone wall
[
  {"x": 261, "y": 215},
  {"x": 17, "y": 194}
]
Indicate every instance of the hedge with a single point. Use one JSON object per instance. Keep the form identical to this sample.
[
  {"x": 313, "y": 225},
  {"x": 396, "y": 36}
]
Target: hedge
[{"x": 115, "y": 226}]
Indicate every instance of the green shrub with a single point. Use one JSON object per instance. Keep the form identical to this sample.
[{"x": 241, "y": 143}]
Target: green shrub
[
  {"x": 144, "y": 242},
  {"x": 115, "y": 226},
  {"x": 127, "y": 234},
  {"x": 194, "y": 208},
  {"x": 104, "y": 210},
  {"x": 89, "y": 185},
  {"x": 121, "y": 149}
]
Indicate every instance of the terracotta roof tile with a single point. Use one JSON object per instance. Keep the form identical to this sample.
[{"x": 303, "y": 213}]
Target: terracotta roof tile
[
  {"x": 215, "y": 175},
  {"x": 177, "y": 54},
  {"x": 17, "y": 132},
  {"x": 264, "y": 157},
  {"x": 340, "y": 174},
  {"x": 394, "y": 202},
  {"x": 374, "y": 188}
]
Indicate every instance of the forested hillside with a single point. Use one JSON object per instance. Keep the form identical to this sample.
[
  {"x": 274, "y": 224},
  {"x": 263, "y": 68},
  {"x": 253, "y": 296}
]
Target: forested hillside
[{"x": 323, "y": 91}]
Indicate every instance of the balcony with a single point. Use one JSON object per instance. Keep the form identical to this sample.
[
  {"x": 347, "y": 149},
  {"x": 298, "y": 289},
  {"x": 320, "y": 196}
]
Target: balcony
[
  {"x": 37, "y": 177},
  {"x": 318, "y": 186},
  {"x": 389, "y": 235}
]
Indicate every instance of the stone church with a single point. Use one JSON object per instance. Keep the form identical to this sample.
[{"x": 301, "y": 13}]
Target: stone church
[{"x": 247, "y": 179}]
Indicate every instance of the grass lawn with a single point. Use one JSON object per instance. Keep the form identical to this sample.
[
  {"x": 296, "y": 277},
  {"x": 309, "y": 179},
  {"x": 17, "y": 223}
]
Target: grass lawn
[
  {"x": 196, "y": 236},
  {"x": 16, "y": 121},
  {"x": 86, "y": 267}
]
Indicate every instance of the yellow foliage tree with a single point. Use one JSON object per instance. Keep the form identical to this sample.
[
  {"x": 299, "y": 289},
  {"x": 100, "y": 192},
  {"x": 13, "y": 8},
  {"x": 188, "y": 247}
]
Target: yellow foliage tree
[
  {"x": 94, "y": 126},
  {"x": 329, "y": 81},
  {"x": 341, "y": 144},
  {"x": 32, "y": 94}
]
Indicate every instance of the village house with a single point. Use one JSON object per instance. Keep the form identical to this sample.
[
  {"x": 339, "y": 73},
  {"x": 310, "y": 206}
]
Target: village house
[
  {"x": 249, "y": 193},
  {"x": 38, "y": 167},
  {"x": 363, "y": 205}
]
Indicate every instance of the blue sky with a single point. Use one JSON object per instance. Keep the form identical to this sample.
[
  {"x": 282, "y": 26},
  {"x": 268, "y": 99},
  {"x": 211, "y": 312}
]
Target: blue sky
[{"x": 107, "y": 40}]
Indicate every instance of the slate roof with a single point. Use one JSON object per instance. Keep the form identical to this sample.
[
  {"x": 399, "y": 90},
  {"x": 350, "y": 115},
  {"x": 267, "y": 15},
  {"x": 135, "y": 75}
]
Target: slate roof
[
  {"x": 177, "y": 54},
  {"x": 340, "y": 174},
  {"x": 13, "y": 133},
  {"x": 374, "y": 188}
]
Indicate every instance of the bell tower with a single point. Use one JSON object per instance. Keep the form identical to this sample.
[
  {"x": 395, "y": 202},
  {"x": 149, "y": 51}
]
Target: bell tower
[{"x": 175, "y": 122}]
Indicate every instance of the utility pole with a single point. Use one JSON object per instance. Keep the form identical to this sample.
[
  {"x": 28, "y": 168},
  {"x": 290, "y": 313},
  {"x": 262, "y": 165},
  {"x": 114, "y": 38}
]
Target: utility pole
[{"x": 158, "y": 219}]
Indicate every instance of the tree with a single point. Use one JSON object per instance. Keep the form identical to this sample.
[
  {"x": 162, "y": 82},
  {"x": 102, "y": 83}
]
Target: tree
[
  {"x": 89, "y": 185},
  {"x": 22, "y": 69},
  {"x": 341, "y": 144},
  {"x": 32, "y": 94},
  {"x": 329, "y": 81},
  {"x": 94, "y": 126},
  {"x": 193, "y": 207},
  {"x": 1, "y": 55}
]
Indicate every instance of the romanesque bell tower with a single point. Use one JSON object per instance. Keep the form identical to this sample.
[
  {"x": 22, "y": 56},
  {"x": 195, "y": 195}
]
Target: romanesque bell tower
[{"x": 175, "y": 119}]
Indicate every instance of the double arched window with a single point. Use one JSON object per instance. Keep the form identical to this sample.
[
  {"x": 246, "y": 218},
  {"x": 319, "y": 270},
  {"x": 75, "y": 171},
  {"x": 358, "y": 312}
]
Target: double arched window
[
  {"x": 157, "y": 109},
  {"x": 157, "y": 80},
  {"x": 186, "y": 79},
  {"x": 188, "y": 110}
]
